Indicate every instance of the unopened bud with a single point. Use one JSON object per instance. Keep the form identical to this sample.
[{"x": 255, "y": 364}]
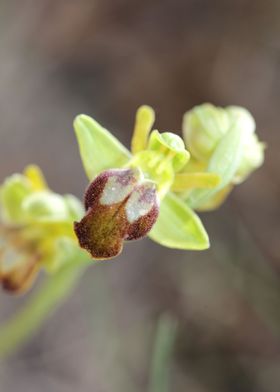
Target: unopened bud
[{"x": 203, "y": 127}]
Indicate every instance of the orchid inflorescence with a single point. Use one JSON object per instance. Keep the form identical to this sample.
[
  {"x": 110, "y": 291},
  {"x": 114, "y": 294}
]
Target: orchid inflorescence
[{"x": 153, "y": 190}]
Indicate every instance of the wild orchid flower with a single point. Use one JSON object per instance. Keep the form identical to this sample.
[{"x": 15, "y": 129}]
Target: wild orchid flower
[
  {"x": 131, "y": 192},
  {"x": 151, "y": 190},
  {"x": 36, "y": 229}
]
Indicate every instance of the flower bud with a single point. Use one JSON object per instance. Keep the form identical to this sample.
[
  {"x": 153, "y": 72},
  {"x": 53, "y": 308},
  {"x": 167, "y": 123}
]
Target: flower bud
[
  {"x": 253, "y": 150},
  {"x": 203, "y": 127},
  {"x": 242, "y": 117},
  {"x": 252, "y": 158},
  {"x": 120, "y": 206}
]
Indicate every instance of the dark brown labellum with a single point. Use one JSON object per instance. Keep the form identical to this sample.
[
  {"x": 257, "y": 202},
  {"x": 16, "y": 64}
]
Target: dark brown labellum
[{"x": 119, "y": 206}]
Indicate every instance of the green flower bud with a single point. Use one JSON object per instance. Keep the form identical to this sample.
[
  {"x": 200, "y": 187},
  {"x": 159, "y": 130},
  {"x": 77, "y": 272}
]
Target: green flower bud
[
  {"x": 252, "y": 158},
  {"x": 203, "y": 127},
  {"x": 242, "y": 117},
  {"x": 253, "y": 151},
  {"x": 206, "y": 125}
]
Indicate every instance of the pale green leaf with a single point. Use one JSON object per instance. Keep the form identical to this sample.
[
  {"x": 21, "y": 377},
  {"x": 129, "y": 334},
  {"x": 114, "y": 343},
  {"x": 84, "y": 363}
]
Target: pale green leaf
[
  {"x": 99, "y": 149},
  {"x": 224, "y": 162},
  {"x": 178, "y": 226}
]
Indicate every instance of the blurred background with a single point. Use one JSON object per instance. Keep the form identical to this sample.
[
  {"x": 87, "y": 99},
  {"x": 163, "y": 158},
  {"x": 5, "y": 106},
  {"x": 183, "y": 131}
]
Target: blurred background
[{"x": 105, "y": 58}]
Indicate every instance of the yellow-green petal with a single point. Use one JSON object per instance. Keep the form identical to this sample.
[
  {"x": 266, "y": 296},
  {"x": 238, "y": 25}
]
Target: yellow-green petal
[
  {"x": 224, "y": 162},
  {"x": 36, "y": 177},
  {"x": 99, "y": 149},
  {"x": 178, "y": 226},
  {"x": 186, "y": 181},
  {"x": 145, "y": 118}
]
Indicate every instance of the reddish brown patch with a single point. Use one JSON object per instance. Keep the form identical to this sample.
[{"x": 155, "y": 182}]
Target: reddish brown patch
[
  {"x": 104, "y": 227},
  {"x": 143, "y": 225}
]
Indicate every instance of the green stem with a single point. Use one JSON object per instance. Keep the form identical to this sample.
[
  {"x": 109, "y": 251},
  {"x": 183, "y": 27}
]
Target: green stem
[
  {"x": 164, "y": 342},
  {"x": 44, "y": 301}
]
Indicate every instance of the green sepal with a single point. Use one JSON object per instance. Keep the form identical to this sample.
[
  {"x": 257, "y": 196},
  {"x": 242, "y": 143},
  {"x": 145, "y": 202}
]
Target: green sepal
[
  {"x": 178, "y": 226},
  {"x": 99, "y": 149},
  {"x": 224, "y": 162}
]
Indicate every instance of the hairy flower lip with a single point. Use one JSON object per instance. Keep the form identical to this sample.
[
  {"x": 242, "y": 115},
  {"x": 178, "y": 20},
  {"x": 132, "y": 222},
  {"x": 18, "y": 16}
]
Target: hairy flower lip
[
  {"x": 120, "y": 205},
  {"x": 125, "y": 178}
]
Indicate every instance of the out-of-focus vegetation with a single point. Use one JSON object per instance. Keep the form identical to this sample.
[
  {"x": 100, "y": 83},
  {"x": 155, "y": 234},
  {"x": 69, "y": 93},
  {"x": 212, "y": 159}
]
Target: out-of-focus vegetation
[{"x": 105, "y": 58}]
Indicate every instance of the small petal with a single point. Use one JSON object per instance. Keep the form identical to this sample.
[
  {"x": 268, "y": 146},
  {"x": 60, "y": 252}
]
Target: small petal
[
  {"x": 36, "y": 178},
  {"x": 145, "y": 118},
  {"x": 186, "y": 181}
]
